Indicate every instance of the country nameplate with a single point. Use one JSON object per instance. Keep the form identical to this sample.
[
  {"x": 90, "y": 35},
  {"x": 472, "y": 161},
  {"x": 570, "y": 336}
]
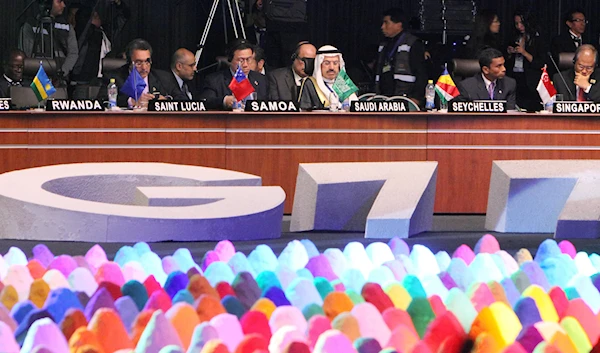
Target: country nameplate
[
  {"x": 176, "y": 106},
  {"x": 4, "y": 104},
  {"x": 271, "y": 106},
  {"x": 73, "y": 105},
  {"x": 576, "y": 107},
  {"x": 379, "y": 106},
  {"x": 479, "y": 106}
]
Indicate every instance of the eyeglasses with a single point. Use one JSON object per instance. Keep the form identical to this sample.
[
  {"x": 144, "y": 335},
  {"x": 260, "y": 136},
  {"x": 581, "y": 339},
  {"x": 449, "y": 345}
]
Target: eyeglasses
[
  {"x": 139, "y": 63},
  {"x": 579, "y": 20},
  {"x": 246, "y": 60},
  {"x": 587, "y": 68}
]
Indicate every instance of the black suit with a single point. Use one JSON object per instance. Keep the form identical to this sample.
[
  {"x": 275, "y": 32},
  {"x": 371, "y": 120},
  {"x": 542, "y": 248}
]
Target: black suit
[
  {"x": 282, "y": 85},
  {"x": 5, "y": 87},
  {"x": 569, "y": 76},
  {"x": 120, "y": 76},
  {"x": 563, "y": 43},
  {"x": 473, "y": 88},
  {"x": 216, "y": 86},
  {"x": 169, "y": 82}
]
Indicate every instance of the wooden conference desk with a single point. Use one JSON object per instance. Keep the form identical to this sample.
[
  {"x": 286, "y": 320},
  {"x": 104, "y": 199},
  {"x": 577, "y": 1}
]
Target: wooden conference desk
[{"x": 271, "y": 145}]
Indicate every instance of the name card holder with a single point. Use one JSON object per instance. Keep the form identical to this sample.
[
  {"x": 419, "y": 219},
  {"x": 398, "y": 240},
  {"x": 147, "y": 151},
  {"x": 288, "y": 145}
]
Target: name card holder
[
  {"x": 478, "y": 106},
  {"x": 271, "y": 106},
  {"x": 576, "y": 107},
  {"x": 176, "y": 106},
  {"x": 379, "y": 106},
  {"x": 4, "y": 104},
  {"x": 74, "y": 105}
]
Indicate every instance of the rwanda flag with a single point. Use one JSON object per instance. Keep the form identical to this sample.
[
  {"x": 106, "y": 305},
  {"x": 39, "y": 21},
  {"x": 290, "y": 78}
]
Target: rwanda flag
[
  {"x": 446, "y": 88},
  {"x": 41, "y": 85}
]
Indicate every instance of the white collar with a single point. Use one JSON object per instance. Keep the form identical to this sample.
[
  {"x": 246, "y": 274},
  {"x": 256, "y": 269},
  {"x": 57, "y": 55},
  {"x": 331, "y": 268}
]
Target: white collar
[
  {"x": 487, "y": 82},
  {"x": 297, "y": 78},
  {"x": 573, "y": 35},
  {"x": 8, "y": 78},
  {"x": 179, "y": 79}
]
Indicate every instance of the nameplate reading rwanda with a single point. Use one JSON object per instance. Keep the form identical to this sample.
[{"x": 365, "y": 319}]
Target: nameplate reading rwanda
[
  {"x": 176, "y": 106},
  {"x": 377, "y": 106},
  {"x": 576, "y": 107},
  {"x": 73, "y": 105},
  {"x": 4, "y": 103},
  {"x": 271, "y": 106},
  {"x": 477, "y": 107}
]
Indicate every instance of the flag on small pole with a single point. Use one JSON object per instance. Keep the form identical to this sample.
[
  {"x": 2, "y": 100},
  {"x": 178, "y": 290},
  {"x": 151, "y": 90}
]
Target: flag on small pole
[
  {"x": 545, "y": 87},
  {"x": 343, "y": 85},
  {"x": 41, "y": 85},
  {"x": 240, "y": 86},
  {"x": 445, "y": 87},
  {"x": 134, "y": 85}
]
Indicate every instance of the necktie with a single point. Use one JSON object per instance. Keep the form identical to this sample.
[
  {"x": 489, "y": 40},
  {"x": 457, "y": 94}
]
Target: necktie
[
  {"x": 581, "y": 95},
  {"x": 491, "y": 90},
  {"x": 577, "y": 42},
  {"x": 185, "y": 90}
]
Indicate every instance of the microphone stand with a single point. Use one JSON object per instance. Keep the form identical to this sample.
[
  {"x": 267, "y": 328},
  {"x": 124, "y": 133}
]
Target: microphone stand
[{"x": 571, "y": 96}]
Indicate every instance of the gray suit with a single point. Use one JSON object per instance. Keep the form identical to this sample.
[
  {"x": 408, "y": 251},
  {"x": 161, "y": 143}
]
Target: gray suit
[
  {"x": 473, "y": 88},
  {"x": 282, "y": 85}
]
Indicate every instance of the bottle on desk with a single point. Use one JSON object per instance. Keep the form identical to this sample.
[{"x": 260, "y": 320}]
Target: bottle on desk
[
  {"x": 334, "y": 102},
  {"x": 113, "y": 92},
  {"x": 430, "y": 96}
]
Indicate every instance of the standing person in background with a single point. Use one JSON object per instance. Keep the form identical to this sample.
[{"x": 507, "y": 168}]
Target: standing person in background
[
  {"x": 286, "y": 25},
  {"x": 525, "y": 59},
  {"x": 256, "y": 27},
  {"x": 571, "y": 37},
  {"x": 485, "y": 34}
]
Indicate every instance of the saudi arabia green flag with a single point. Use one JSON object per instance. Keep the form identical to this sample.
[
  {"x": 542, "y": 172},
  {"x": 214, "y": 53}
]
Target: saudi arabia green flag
[{"x": 343, "y": 86}]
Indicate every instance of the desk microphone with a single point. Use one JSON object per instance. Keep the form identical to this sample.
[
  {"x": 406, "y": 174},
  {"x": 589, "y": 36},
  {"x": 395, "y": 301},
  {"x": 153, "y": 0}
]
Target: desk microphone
[{"x": 571, "y": 96}]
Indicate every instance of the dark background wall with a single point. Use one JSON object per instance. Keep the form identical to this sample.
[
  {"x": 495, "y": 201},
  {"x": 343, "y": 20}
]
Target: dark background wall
[{"x": 351, "y": 25}]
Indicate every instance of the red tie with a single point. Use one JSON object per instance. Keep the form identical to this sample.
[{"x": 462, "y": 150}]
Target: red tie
[{"x": 581, "y": 95}]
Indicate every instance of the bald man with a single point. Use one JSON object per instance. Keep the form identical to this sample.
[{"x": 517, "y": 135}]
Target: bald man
[
  {"x": 284, "y": 83},
  {"x": 177, "y": 81},
  {"x": 582, "y": 79}
]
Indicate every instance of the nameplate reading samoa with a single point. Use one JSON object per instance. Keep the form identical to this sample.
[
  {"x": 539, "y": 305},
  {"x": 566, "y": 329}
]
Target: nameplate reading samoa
[
  {"x": 377, "y": 106},
  {"x": 4, "y": 103},
  {"x": 73, "y": 105},
  {"x": 271, "y": 106},
  {"x": 576, "y": 107},
  {"x": 477, "y": 107},
  {"x": 176, "y": 106}
]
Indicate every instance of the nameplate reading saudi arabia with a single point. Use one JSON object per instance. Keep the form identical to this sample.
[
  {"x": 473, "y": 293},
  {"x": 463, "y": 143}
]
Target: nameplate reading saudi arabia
[
  {"x": 379, "y": 106},
  {"x": 271, "y": 106},
  {"x": 4, "y": 103},
  {"x": 176, "y": 106},
  {"x": 576, "y": 107},
  {"x": 73, "y": 105},
  {"x": 477, "y": 107}
]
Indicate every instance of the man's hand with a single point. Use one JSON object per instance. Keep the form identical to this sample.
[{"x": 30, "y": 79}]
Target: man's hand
[
  {"x": 144, "y": 99},
  {"x": 228, "y": 101},
  {"x": 582, "y": 81}
]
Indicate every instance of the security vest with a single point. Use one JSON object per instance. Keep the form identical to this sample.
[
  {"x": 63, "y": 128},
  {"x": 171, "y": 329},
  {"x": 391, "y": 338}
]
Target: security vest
[{"x": 403, "y": 75}]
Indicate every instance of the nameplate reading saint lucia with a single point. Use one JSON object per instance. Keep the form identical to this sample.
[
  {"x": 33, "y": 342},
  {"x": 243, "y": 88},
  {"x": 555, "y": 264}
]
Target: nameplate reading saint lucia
[
  {"x": 271, "y": 106},
  {"x": 477, "y": 107},
  {"x": 4, "y": 103},
  {"x": 73, "y": 105},
  {"x": 576, "y": 107},
  {"x": 379, "y": 106},
  {"x": 176, "y": 106}
]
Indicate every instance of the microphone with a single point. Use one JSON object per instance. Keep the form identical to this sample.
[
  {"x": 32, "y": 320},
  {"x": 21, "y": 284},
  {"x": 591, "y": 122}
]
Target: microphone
[{"x": 571, "y": 96}]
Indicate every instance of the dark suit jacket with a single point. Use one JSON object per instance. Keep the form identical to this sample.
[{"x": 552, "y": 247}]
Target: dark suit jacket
[
  {"x": 120, "y": 75},
  {"x": 282, "y": 85},
  {"x": 216, "y": 86},
  {"x": 569, "y": 76},
  {"x": 473, "y": 88},
  {"x": 169, "y": 82},
  {"x": 563, "y": 43},
  {"x": 5, "y": 88}
]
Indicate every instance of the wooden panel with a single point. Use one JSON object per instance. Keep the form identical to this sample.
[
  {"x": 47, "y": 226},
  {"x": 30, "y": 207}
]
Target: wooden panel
[
  {"x": 280, "y": 166},
  {"x": 121, "y": 138},
  {"x": 513, "y": 139}
]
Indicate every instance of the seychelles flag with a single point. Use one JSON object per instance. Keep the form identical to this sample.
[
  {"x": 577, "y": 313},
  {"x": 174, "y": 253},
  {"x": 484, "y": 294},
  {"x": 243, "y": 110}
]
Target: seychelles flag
[
  {"x": 446, "y": 88},
  {"x": 240, "y": 86},
  {"x": 41, "y": 85}
]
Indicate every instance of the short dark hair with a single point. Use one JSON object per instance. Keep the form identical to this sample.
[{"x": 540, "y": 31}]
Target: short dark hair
[
  {"x": 259, "y": 54},
  {"x": 396, "y": 15},
  {"x": 137, "y": 44},
  {"x": 569, "y": 14},
  {"x": 487, "y": 55},
  {"x": 239, "y": 44},
  {"x": 13, "y": 53}
]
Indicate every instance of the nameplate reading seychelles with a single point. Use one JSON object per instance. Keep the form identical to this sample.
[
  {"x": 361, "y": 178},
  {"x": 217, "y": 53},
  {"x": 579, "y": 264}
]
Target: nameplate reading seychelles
[
  {"x": 271, "y": 106},
  {"x": 377, "y": 106},
  {"x": 576, "y": 107},
  {"x": 74, "y": 105},
  {"x": 477, "y": 107},
  {"x": 4, "y": 103},
  {"x": 176, "y": 106}
]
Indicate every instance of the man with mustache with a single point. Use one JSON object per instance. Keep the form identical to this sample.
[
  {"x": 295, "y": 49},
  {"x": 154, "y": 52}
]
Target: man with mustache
[{"x": 317, "y": 90}]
